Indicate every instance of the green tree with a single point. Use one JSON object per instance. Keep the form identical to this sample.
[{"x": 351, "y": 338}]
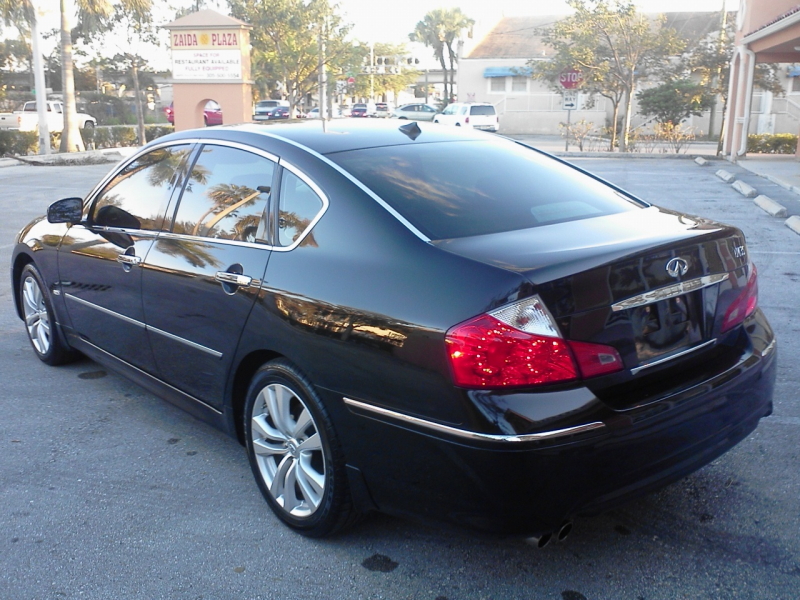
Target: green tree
[
  {"x": 710, "y": 60},
  {"x": 674, "y": 101},
  {"x": 285, "y": 39},
  {"x": 440, "y": 29},
  {"x": 614, "y": 46},
  {"x": 120, "y": 26}
]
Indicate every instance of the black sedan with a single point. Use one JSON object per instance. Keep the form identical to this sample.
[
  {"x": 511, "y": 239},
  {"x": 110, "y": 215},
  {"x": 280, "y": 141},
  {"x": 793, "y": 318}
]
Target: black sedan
[{"x": 428, "y": 322}]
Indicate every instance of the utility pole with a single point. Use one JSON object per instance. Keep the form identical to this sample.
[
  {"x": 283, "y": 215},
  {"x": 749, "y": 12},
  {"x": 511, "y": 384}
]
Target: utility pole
[
  {"x": 41, "y": 90},
  {"x": 371, "y": 70},
  {"x": 323, "y": 114}
]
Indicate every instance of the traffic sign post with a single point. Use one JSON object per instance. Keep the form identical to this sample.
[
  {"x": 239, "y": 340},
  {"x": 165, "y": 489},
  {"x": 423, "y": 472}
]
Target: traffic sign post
[{"x": 570, "y": 79}]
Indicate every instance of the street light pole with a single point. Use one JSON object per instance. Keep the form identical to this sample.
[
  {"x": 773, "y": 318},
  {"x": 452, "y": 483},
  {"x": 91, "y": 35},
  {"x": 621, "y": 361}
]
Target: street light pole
[
  {"x": 41, "y": 91},
  {"x": 371, "y": 70}
]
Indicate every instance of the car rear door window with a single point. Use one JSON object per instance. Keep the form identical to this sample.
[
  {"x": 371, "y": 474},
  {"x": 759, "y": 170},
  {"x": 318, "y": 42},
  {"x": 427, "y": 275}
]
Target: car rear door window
[
  {"x": 482, "y": 110},
  {"x": 460, "y": 189},
  {"x": 226, "y": 195},
  {"x": 298, "y": 209},
  {"x": 137, "y": 196}
]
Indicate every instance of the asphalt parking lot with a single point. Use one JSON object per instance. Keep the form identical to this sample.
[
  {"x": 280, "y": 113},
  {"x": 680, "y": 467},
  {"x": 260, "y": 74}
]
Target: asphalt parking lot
[{"x": 109, "y": 492}]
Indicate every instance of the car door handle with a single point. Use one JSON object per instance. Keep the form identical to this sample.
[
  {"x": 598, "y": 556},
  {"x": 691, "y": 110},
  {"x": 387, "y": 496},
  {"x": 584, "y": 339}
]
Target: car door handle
[
  {"x": 127, "y": 259},
  {"x": 233, "y": 278}
]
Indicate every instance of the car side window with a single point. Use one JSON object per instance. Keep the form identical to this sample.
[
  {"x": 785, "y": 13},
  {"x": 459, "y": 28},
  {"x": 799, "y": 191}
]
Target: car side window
[
  {"x": 426, "y": 108},
  {"x": 451, "y": 110},
  {"x": 137, "y": 196},
  {"x": 464, "y": 110},
  {"x": 299, "y": 206},
  {"x": 226, "y": 195}
]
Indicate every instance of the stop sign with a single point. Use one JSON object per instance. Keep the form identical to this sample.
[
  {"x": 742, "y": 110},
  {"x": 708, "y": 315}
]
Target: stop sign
[
  {"x": 351, "y": 80},
  {"x": 570, "y": 78}
]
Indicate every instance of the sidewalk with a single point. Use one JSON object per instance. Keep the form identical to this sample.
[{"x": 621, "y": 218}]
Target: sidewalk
[
  {"x": 555, "y": 144},
  {"x": 780, "y": 169}
]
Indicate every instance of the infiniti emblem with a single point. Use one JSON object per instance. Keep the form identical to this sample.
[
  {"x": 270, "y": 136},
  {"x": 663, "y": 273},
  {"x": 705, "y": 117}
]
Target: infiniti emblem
[{"x": 677, "y": 267}]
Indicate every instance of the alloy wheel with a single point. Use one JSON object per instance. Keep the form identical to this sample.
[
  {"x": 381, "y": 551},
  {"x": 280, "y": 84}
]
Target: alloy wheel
[
  {"x": 37, "y": 319},
  {"x": 288, "y": 450}
]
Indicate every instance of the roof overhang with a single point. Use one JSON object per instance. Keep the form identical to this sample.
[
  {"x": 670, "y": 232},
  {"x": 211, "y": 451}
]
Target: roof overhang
[
  {"x": 507, "y": 72},
  {"x": 778, "y": 26}
]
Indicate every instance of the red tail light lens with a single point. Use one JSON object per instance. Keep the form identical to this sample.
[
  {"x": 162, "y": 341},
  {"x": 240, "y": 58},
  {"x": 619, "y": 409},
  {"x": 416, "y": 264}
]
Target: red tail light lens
[
  {"x": 519, "y": 346},
  {"x": 745, "y": 303},
  {"x": 485, "y": 352},
  {"x": 466, "y": 120}
]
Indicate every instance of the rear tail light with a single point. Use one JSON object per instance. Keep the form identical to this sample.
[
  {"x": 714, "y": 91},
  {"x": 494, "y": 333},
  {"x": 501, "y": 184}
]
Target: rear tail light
[
  {"x": 466, "y": 120},
  {"x": 519, "y": 345},
  {"x": 745, "y": 303}
]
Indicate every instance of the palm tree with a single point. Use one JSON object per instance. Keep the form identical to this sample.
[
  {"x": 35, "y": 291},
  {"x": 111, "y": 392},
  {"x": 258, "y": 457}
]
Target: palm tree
[
  {"x": 430, "y": 31},
  {"x": 455, "y": 22},
  {"x": 440, "y": 29}
]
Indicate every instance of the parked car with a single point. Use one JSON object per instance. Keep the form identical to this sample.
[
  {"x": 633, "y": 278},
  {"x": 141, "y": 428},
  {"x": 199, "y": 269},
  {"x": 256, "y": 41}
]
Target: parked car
[
  {"x": 382, "y": 109},
  {"x": 273, "y": 114},
  {"x": 360, "y": 109},
  {"x": 27, "y": 119},
  {"x": 263, "y": 110},
  {"x": 414, "y": 319},
  {"x": 477, "y": 116},
  {"x": 212, "y": 114},
  {"x": 415, "y": 112}
]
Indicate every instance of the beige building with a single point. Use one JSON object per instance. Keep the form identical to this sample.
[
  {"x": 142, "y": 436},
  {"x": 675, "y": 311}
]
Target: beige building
[
  {"x": 766, "y": 31},
  {"x": 496, "y": 70}
]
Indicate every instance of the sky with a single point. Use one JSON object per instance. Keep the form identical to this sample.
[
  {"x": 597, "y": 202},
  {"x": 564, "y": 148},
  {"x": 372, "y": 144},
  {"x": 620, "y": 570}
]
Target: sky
[{"x": 392, "y": 20}]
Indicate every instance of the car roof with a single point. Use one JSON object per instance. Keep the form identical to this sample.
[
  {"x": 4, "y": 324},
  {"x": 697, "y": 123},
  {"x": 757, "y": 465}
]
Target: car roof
[{"x": 339, "y": 135}]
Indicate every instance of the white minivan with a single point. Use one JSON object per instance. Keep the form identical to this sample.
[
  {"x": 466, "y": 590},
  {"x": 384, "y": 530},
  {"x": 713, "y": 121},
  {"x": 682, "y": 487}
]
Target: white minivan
[{"x": 476, "y": 115}]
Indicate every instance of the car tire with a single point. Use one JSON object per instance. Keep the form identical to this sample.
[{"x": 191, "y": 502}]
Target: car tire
[
  {"x": 40, "y": 320},
  {"x": 89, "y": 125},
  {"x": 458, "y": 124},
  {"x": 436, "y": 121},
  {"x": 403, "y": 118},
  {"x": 294, "y": 452}
]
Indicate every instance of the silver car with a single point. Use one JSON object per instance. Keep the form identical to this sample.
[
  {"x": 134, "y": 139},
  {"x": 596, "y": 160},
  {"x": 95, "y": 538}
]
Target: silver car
[{"x": 415, "y": 112}]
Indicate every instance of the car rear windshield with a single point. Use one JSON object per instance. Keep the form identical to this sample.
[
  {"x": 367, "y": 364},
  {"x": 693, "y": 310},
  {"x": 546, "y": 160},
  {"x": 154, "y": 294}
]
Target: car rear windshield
[
  {"x": 459, "y": 189},
  {"x": 482, "y": 110}
]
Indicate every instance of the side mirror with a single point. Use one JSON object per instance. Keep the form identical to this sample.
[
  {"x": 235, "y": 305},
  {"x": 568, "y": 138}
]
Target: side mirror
[{"x": 66, "y": 210}]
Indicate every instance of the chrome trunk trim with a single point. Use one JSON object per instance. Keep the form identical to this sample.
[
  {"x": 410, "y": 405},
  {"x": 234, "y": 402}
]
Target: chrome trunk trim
[
  {"x": 670, "y": 291},
  {"x": 655, "y": 363},
  {"x": 472, "y": 435}
]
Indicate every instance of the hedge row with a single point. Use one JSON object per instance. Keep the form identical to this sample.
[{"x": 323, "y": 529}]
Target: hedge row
[
  {"x": 16, "y": 143},
  {"x": 765, "y": 143}
]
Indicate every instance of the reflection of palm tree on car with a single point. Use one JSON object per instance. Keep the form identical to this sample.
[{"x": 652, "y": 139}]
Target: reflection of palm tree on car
[
  {"x": 290, "y": 221},
  {"x": 226, "y": 198}
]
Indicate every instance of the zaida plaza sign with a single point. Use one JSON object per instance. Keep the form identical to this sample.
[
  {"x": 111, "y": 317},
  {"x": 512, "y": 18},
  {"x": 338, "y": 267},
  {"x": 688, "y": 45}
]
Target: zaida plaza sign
[{"x": 206, "y": 54}]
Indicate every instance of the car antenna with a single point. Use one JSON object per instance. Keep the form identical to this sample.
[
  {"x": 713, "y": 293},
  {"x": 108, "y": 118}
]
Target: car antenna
[{"x": 412, "y": 130}]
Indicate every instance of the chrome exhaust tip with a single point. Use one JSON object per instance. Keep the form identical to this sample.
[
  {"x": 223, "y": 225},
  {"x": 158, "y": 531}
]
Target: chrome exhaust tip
[
  {"x": 564, "y": 531},
  {"x": 539, "y": 541}
]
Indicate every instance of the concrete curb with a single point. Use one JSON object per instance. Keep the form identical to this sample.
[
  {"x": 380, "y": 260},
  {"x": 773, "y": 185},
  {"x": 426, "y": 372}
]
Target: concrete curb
[
  {"x": 107, "y": 155},
  {"x": 746, "y": 190},
  {"x": 701, "y": 161},
  {"x": 793, "y": 223},
  {"x": 9, "y": 162},
  {"x": 726, "y": 176},
  {"x": 769, "y": 206}
]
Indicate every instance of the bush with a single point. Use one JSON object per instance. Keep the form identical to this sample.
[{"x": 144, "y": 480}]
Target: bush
[
  {"x": 18, "y": 143},
  {"x": 765, "y": 143}
]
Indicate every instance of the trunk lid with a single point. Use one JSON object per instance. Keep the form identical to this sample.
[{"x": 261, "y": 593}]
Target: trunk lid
[{"x": 606, "y": 281}]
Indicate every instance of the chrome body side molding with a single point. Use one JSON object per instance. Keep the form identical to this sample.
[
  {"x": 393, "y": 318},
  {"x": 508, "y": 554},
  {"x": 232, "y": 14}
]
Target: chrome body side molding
[{"x": 471, "y": 435}]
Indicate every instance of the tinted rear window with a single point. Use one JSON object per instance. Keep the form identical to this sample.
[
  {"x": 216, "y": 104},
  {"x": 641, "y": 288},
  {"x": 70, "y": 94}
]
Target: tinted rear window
[
  {"x": 482, "y": 110},
  {"x": 460, "y": 189}
]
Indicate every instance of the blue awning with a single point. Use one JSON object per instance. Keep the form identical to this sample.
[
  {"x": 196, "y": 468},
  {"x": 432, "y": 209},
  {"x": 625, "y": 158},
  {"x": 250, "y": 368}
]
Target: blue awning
[
  {"x": 794, "y": 71},
  {"x": 507, "y": 72}
]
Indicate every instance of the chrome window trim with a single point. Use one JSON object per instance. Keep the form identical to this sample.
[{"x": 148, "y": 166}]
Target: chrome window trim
[
  {"x": 669, "y": 291},
  {"x": 240, "y": 146},
  {"x": 655, "y": 363},
  {"x": 125, "y": 162},
  {"x": 209, "y": 240},
  {"x": 316, "y": 189},
  {"x": 473, "y": 435},
  {"x": 144, "y": 326},
  {"x": 358, "y": 183},
  {"x": 143, "y": 233}
]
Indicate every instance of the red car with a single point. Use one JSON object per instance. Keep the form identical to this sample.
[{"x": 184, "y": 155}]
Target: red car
[{"x": 212, "y": 115}]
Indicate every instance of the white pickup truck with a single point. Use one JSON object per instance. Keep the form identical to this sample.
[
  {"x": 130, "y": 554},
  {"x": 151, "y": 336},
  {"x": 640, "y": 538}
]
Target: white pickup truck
[{"x": 27, "y": 119}]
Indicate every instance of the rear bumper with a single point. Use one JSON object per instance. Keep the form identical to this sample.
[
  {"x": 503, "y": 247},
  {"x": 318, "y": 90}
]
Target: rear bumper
[{"x": 519, "y": 485}]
